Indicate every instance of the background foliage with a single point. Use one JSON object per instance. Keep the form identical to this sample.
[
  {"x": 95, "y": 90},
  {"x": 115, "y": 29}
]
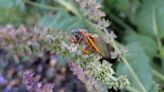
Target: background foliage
[{"x": 137, "y": 23}]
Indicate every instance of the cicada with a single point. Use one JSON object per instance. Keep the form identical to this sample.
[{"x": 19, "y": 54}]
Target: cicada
[{"x": 92, "y": 44}]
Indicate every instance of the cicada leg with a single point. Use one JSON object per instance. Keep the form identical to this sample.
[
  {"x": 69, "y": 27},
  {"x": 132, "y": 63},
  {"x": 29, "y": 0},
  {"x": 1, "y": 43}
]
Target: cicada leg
[{"x": 85, "y": 51}]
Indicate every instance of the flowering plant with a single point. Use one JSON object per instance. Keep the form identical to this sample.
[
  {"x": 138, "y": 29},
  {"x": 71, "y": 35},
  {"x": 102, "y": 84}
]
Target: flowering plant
[{"x": 81, "y": 46}]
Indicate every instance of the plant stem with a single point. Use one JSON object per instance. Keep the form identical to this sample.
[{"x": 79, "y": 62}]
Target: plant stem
[
  {"x": 129, "y": 67},
  {"x": 158, "y": 75},
  {"x": 126, "y": 26},
  {"x": 156, "y": 34},
  {"x": 75, "y": 11},
  {"x": 42, "y": 5},
  {"x": 155, "y": 30},
  {"x": 69, "y": 7}
]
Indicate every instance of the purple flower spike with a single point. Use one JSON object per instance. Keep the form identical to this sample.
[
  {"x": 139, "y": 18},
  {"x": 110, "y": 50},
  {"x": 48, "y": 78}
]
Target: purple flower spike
[
  {"x": 2, "y": 80},
  {"x": 34, "y": 86},
  {"x": 29, "y": 81}
]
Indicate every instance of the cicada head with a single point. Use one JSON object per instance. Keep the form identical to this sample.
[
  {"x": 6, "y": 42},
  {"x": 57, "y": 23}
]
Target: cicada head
[
  {"x": 78, "y": 35},
  {"x": 78, "y": 32}
]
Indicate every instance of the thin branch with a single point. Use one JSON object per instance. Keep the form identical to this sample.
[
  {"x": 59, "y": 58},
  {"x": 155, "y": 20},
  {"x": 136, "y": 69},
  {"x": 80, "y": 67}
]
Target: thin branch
[
  {"x": 155, "y": 29},
  {"x": 129, "y": 67},
  {"x": 156, "y": 34},
  {"x": 43, "y": 6},
  {"x": 69, "y": 6},
  {"x": 74, "y": 10},
  {"x": 158, "y": 75}
]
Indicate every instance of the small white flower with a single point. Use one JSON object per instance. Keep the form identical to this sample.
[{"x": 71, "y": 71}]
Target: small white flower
[
  {"x": 112, "y": 35},
  {"x": 113, "y": 55},
  {"x": 123, "y": 81},
  {"x": 73, "y": 48},
  {"x": 103, "y": 24},
  {"x": 123, "y": 50}
]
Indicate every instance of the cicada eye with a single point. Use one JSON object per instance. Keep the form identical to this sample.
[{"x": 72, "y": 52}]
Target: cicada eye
[{"x": 75, "y": 33}]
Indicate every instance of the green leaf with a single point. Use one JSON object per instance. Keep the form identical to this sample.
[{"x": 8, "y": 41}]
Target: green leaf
[
  {"x": 144, "y": 18},
  {"x": 61, "y": 21},
  {"x": 6, "y": 18},
  {"x": 6, "y": 4},
  {"x": 140, "y": 64},
  {"x": 127, "y": 6},
  {"x": 122, "y": 5},
  {"x": 148, "y": 44}
]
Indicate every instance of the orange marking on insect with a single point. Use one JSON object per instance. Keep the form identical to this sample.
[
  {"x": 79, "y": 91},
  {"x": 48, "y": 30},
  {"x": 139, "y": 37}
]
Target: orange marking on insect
[
  {"x": 92, "y": 43},
  {"x": 85, "y": 51},
  {"x": 82, "y": 35}
]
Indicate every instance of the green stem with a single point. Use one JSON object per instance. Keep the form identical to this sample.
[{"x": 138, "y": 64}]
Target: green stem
[
  {"x": 75, "y": 11},
  {"x": 129, "y": 67},
  {"x": 126, "y": 26},
  {"x": 155, "y": 27},
  {"x": 158, "y": 75},
  {"x": 69, "y": 7},
  {"x": 42, "y": 6},
  {"x": 156, "y": 34}
]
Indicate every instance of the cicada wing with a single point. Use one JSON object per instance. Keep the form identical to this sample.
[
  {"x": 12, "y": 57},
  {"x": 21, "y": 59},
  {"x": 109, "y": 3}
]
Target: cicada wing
[{"x": 104, "y": 49}]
